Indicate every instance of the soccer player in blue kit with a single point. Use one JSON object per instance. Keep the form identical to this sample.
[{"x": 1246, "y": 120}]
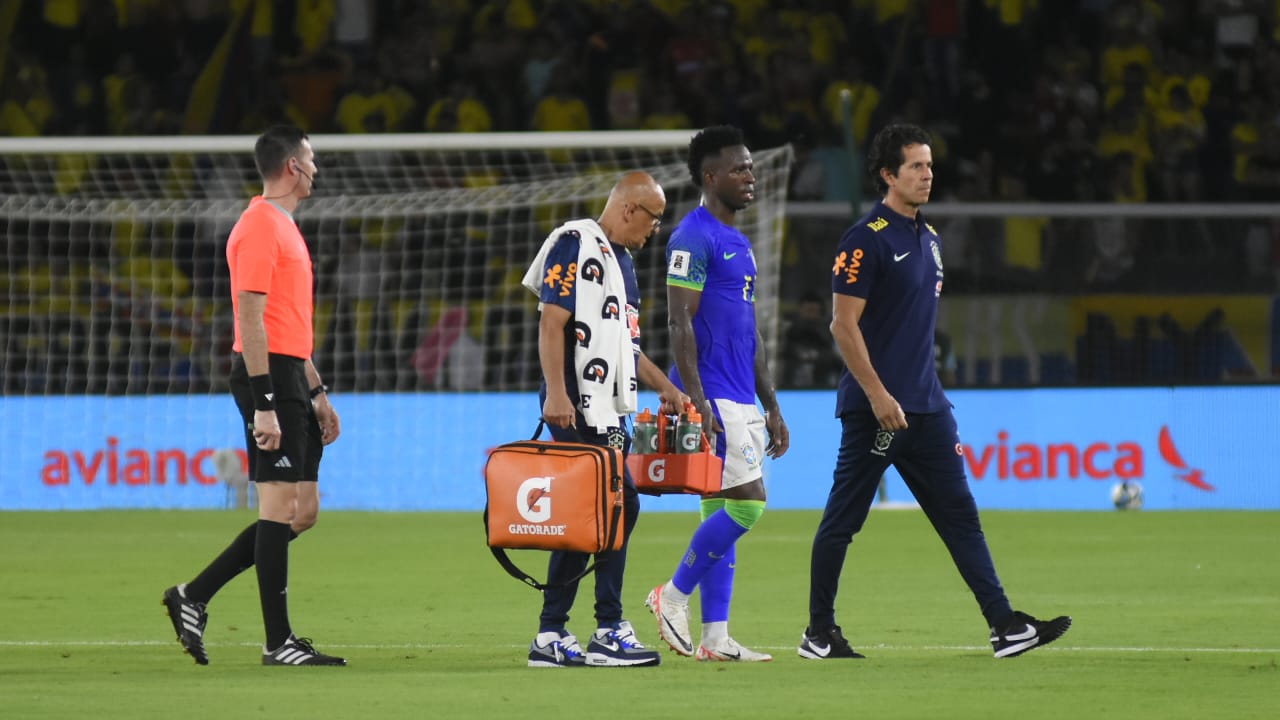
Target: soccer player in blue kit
[
  {"x": 720, "y": 363},
  {"x": 886, "y": 281}
]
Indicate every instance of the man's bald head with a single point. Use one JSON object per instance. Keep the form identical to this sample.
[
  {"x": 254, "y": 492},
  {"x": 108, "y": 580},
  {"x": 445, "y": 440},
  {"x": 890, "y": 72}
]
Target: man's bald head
[
  {"x": 634, "y": 210},
  {"x": 638, "y": 186}
]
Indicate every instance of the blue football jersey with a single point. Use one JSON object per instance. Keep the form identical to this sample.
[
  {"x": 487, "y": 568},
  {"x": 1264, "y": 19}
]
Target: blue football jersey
[{"x": 706, "y": 255}]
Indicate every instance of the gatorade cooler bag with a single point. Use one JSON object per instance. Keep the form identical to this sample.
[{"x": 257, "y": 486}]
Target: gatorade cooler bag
[
  {"x": 552, "y": 496},
  {"x": 663, "y": 473}
]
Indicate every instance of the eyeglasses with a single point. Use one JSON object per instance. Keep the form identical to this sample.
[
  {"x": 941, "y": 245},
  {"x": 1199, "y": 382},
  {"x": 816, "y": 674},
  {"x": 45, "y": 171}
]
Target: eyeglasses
[{"x": 657, "y": 219}]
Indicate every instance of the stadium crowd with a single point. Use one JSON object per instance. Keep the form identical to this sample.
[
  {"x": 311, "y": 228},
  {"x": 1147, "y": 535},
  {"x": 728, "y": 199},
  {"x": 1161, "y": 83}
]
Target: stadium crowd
[{"x": 1109, "y": 100}]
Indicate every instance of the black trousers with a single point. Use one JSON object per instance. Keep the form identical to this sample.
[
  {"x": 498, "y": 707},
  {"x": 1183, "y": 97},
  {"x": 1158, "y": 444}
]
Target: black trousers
[
  {"x": 557, "y": 602},
  {"x": 927, "y": 455}
]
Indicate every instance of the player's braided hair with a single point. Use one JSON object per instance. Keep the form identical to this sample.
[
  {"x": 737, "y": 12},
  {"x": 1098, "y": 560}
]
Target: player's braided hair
[
  {"x": 707, "y": 144},
  {"x": 886, "y": 149},
  {"x": 274, "y": 147}
]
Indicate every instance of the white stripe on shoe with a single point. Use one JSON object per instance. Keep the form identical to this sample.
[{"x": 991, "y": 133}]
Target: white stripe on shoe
[
  {"x": 191, "y": 620},
  {"x": 292, "y": 656}
]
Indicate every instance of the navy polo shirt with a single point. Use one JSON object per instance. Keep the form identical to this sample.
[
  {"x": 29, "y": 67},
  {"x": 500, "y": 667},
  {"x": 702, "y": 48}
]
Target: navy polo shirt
[{"x": 895, "y": 264}]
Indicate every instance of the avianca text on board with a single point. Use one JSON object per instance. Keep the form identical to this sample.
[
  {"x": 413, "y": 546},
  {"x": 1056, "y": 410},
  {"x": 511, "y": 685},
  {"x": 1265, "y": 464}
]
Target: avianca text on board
[
  {"x": 1101, "y": 460},
  {"x": 131, "y": 466}
]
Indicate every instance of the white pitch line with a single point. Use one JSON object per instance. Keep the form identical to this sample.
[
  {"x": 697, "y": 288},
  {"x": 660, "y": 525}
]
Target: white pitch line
[
  {"x": 438, "y": 646},
  {"x": 167, "y": 643},
  {"x": 1082, "y": 648}
]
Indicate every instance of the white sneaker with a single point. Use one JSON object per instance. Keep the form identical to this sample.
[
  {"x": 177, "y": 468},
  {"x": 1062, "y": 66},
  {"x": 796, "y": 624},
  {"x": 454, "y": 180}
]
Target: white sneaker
[
  {"x": 728, "y": 650},
  {"x": 673, "y": 621}
]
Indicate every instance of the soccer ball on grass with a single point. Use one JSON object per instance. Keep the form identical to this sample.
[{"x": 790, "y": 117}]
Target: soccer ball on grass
[{"x": 1127, "y": 495}]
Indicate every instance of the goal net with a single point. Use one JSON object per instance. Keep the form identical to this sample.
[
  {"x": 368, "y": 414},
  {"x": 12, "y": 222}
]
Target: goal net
[{"x": 114, "y": 279}]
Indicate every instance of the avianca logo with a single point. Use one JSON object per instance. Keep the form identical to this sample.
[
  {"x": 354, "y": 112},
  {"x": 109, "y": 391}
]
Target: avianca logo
[
  {"x": 1071, "y": 461},
  {"x": 131, "y": 466},
  {"x": 1189, "y": 475}
]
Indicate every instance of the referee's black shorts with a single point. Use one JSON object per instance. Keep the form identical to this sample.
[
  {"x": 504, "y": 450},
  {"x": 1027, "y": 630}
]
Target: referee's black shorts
[{"x": 298, "y": 458}]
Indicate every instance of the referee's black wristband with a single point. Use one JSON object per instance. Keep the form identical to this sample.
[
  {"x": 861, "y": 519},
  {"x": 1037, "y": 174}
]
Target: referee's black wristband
[
  {"x": 318, "y": 390},
  {"x": 264, "y": 396}
]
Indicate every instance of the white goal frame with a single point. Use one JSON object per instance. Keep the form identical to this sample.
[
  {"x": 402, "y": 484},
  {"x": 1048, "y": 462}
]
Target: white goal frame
[
  {"x": 765, "y": 219},
  {"x": 601, "y": 139}
]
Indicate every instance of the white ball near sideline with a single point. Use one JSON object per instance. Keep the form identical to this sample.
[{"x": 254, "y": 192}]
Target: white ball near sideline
[{"x": 1127, "y": 495}]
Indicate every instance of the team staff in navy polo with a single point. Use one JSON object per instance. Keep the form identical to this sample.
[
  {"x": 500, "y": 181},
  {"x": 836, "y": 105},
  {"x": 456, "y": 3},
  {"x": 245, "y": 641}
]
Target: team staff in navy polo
[{"x": 886, "y": 281}]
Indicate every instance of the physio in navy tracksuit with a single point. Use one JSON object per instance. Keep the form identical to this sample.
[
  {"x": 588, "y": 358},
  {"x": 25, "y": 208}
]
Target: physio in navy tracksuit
[{"x": 886, "y": 280}]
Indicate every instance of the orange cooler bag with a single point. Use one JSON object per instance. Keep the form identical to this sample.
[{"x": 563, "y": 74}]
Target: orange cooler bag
[{"x": 546, "y": 495}]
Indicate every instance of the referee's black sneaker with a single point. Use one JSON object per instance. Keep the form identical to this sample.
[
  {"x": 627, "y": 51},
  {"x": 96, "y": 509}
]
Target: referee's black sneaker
[
  {"x": 1024, "y": 633},
  {"x": 298, "y": 651},
  {"x": 826, "y": 644},
  {"x": 189, "y": 620}
]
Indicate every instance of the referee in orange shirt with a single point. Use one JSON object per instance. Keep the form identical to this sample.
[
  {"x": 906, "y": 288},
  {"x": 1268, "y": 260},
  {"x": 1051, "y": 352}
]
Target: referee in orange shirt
[{"x": 284, "y": 404}]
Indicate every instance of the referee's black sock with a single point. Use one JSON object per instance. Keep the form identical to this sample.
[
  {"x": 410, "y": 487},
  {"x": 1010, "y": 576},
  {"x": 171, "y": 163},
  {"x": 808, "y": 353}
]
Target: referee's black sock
[
  {"x": 237, "y": 558},
  {"x": 271, "y": 556}
]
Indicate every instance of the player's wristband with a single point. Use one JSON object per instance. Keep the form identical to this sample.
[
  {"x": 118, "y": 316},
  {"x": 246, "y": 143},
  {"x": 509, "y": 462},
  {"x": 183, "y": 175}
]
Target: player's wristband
[
  {"x": 318, "y": 390},
  {"x": 264, "y": 396}
]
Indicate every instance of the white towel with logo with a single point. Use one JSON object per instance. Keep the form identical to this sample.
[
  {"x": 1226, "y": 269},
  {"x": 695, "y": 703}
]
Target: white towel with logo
[{"x": 604, "y": 355}]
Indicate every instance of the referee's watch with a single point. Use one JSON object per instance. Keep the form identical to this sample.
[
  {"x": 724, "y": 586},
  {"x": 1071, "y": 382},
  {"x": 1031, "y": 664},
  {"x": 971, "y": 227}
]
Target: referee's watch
[{"x": 319, "y": 390}]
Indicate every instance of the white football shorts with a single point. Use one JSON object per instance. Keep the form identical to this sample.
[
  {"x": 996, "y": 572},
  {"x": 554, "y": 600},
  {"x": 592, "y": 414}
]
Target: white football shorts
[{"x": 744, "y": 442}]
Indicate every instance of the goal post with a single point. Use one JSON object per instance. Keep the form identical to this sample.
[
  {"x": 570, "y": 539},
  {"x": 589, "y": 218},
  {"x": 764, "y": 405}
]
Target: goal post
[{"x": 114, "y": 279}]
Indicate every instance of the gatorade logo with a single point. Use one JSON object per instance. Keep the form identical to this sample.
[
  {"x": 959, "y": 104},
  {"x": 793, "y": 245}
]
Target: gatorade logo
[
  {"x": 592, "y": 270},
  {"x": 657, "y": 471},
  {"x": 582, "y": 332},
  {"x": 691, "y": 442},
  {"x": 533, "y": 499},
  {"x": 595, "y": 370}
]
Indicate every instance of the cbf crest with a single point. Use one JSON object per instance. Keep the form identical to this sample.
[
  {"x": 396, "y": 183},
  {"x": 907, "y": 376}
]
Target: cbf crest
[
  {"x": 883, "y": 439},
  {"x": 616, "y": 438},
  {"x": 937, "y": 253}
]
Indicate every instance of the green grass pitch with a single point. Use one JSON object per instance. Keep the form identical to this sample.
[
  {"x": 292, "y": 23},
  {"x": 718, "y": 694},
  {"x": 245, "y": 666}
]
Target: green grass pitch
[{"x": 1177, "y": 615}]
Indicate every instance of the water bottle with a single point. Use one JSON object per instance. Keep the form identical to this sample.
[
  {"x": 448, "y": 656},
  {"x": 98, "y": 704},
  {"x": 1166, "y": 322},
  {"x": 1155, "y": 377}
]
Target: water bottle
[
  {"x": 689, "y": 432},
  {"x": 667, "y": 433},
  {"x": 645, "y": 439}
]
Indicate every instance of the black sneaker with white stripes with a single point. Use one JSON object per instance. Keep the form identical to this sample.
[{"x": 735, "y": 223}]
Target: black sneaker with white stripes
[
  {"x": 189, "y": 620},
  {"x": 1024, "y": 633},
  {"x": 298, "y": 651},
  {"x": 826, "y": 644}
]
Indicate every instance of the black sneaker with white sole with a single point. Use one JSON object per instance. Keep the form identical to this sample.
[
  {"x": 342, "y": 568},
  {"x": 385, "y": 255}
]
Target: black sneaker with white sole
[
  {"x": 619, "y": 647},
  {"x": 826, "y": 644},
  {"x": 189, "y": 620},
  {"x": 298, "y": 651},
  {"x": 1024, "y": 633}
]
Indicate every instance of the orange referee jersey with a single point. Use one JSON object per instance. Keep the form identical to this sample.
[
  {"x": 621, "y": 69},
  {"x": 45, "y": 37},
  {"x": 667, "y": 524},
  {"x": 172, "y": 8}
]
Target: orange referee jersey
[{"x": 267, "y": 255}]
